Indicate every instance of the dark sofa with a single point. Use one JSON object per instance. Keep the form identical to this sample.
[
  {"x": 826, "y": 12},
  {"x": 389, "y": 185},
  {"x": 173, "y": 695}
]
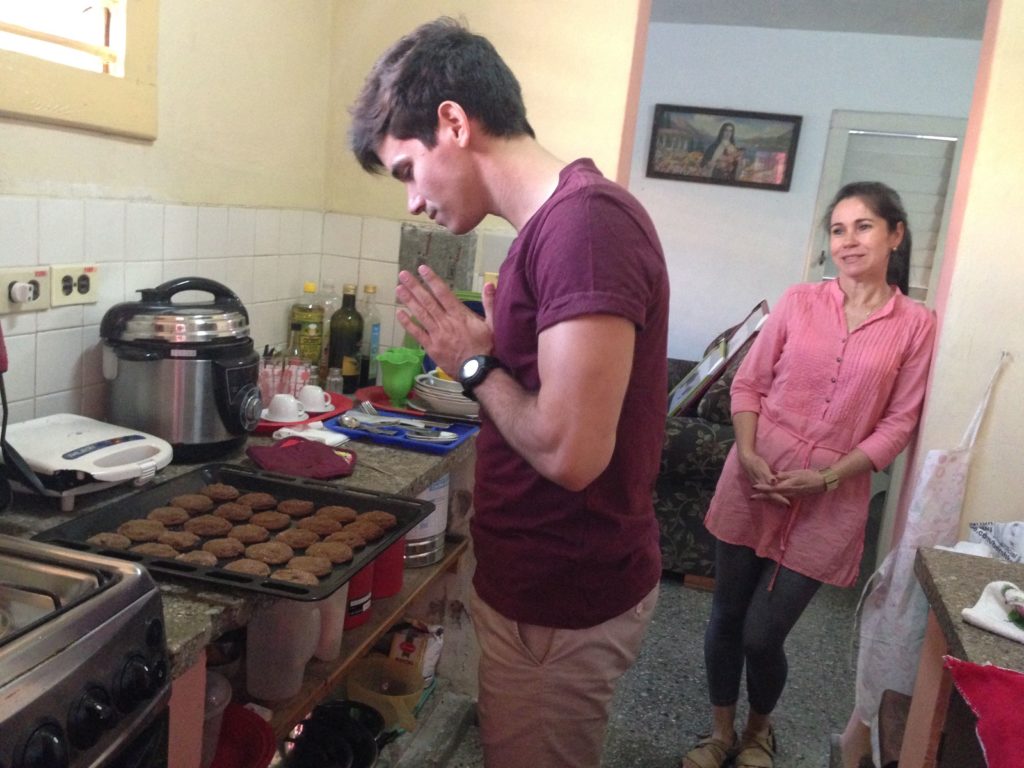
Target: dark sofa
[{"x": 696, "y": 444}]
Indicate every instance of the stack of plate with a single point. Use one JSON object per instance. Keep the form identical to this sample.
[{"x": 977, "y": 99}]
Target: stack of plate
[{"x": 444, "y": 395}]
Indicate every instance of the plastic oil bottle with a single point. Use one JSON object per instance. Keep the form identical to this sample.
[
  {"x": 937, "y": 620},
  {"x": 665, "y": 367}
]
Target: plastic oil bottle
[
  {"x": 309, "y": 313},
  {"x": 371, "y": 337},
  {"x": 331, "y": 302}
]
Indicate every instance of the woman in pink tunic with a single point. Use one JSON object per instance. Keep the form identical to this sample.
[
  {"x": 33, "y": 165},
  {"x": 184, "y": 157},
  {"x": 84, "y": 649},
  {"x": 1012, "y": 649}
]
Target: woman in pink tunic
[{"x": 830, "y": 391}]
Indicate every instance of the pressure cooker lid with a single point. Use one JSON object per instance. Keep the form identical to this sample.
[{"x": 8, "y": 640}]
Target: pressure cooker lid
[{"x": 156, "y": 317}]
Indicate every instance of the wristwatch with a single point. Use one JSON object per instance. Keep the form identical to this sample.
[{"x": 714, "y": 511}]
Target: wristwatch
[
  {"x": 473, "y": 371},
  {"x": 830, "y": 477}
]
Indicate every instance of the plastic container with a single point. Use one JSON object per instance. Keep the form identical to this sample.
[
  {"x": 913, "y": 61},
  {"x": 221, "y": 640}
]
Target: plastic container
[
  {"x": 280, "y": 638},
  {"x": 332, "y": 624},
  {"x": 389, "y": 686},
  {"x": 360, "y": 597},
  {"x": 246, "y": 741},
  {"x": 218, "y": 696},
  {"x": 424, "y": 544},
  {"x": 388, "y": 570}
]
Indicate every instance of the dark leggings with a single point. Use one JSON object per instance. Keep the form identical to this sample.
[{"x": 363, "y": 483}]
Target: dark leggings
[{"x": 749, "y": 623}]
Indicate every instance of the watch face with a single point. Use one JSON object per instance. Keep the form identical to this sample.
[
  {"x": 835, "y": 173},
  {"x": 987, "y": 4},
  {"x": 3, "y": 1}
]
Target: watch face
[{"x": 470, "y": 368}]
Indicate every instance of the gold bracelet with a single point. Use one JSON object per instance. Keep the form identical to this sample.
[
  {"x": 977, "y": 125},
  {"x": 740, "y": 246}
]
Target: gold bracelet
[{"x": 830, "y": 477}]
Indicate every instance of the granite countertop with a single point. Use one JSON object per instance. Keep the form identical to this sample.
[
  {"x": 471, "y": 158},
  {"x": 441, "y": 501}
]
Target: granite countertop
[
  {"x": 953, "y": 581},
  {"x": 196, "y": 615}
]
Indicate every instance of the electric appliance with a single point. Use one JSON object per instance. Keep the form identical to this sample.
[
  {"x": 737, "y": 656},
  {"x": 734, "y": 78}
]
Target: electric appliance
[{"x": 183, "y": 371}]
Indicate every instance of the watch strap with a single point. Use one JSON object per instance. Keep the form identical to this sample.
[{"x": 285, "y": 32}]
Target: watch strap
[{"x": 486, "y": 364}]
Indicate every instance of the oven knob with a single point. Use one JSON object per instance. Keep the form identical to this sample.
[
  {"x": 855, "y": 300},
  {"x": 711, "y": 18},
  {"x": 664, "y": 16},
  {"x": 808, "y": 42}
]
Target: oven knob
[
  {"x": 134, "y": 684},
  {"x": 45, "y": 748},
  {"x": 89, "y": 717}
]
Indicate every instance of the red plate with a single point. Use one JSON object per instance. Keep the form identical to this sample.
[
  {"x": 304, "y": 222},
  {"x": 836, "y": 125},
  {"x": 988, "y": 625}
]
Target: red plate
[
  {"x": 339, "y": 404},
  {"x": 377, "y": 396}
]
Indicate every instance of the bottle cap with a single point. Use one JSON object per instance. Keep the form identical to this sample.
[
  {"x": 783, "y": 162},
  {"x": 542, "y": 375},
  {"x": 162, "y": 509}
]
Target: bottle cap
[
  {"x": 309, "y": 287},
  {"x": 369, "y": 288},
  {"x": 349, "y": 288},
  {"x": 296, "y": 326}
]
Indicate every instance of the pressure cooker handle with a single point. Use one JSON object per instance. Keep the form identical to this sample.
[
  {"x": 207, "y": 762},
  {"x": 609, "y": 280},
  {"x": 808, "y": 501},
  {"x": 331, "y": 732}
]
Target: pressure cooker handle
[{"x": 222, "y": 295}]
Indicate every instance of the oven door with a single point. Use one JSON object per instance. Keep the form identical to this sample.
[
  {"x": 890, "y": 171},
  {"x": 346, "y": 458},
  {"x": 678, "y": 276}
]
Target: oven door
[{"x": 148, "y": 749}]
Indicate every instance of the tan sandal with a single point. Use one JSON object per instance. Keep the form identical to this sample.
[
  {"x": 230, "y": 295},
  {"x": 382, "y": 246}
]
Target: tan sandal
[
  {"x": 709, "y": 752},
  {"x": 756, "y": 750}
]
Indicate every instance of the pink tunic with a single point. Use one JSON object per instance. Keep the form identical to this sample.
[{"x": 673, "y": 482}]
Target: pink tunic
[{"x": 819, "y": 392}]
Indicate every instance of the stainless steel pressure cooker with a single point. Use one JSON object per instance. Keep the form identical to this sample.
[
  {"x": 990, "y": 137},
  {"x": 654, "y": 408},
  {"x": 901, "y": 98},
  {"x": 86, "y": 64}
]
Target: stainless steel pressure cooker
[{"x": 186, "y": 372}]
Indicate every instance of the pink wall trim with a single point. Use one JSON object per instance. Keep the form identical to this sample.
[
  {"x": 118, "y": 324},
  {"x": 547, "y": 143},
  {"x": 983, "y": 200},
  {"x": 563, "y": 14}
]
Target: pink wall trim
[
  {"x": 188, "y": 701},
  {"x": 636, "y": 73}
]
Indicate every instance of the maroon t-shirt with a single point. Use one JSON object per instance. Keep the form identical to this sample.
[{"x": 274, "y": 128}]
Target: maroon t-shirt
[{"x": 547, "y": 555}]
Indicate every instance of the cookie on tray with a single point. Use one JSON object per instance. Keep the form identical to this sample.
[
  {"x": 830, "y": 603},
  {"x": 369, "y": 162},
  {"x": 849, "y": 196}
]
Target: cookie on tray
[
  {"x": 295, "y": 577},
  {"x": 208, "y": 526},
  {"x": 296, "y": 507},
  {"x": 318, "y": 566},
  {"x": 322, "y": 526},
  {"x": 198, "y": 557},
  {"x": 193, "y": 503},
  {"x": 352, "y": 538},
  {"x": 272, "y": 521},
  {"x": 154, "y": 549},
  {"x": 168, "y": 515},
  {"x": 249, "y": 566},
  {"x": 338, "y": 513},
  {"x": 368, "y": 529},
  {"x": 257, "y": 501},
  {"x": 224, "y": 548},
  {"x": 220, "y": 492},
  {"x": 271, "y": 552},
  {"x": 385, "y": 520},
  {"x": 334, "y": 551},
  {"x": 233, "y": 511},
  {"x": 182, "y": 541},
  {"x": 110, "y": 540},
  {"x": 297, "y": 538},
  {"x": 140, "y": 531},
  {"x": 247, "y": 533}
]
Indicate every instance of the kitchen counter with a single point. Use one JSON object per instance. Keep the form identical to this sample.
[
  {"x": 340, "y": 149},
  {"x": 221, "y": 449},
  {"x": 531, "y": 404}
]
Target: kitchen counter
[{"x": 195, "y": 615}]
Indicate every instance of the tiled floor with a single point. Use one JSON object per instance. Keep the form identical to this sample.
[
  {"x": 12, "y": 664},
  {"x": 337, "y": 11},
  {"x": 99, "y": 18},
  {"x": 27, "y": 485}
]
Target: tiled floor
[{"x": 660, "y": 706}]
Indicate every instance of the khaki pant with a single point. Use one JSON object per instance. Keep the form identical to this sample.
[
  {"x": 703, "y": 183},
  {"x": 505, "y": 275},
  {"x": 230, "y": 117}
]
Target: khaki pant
[{"x": 545, "y": 693}]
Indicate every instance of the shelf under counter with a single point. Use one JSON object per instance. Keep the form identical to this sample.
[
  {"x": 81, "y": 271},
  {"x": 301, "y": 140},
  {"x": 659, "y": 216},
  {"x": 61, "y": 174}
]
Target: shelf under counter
[{"x": 322, "y": 677}]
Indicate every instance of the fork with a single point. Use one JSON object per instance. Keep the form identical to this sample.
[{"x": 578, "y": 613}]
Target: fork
[{"x": 367, "y": 407}]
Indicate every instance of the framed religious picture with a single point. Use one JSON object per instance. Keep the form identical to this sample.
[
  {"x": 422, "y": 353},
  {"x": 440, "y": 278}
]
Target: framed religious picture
[
  {"x": 695, "y": 383},
  {"x": 723, "y": 146}
]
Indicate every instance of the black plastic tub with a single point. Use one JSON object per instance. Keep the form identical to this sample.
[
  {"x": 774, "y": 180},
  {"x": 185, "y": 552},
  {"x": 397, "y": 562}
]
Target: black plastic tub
[{"x": 407, "y": 511}]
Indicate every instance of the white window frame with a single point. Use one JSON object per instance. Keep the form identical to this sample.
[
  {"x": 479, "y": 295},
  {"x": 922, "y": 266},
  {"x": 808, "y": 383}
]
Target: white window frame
[{"x": 43, "y": 91}]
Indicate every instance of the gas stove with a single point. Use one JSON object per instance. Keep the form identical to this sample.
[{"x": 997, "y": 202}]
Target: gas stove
[{"x": 84, "y": 671}]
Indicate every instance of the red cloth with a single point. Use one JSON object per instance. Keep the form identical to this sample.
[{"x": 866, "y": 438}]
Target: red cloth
[
  {"x": 304, "y": 458},
  {"x": 996, "y": 696}
]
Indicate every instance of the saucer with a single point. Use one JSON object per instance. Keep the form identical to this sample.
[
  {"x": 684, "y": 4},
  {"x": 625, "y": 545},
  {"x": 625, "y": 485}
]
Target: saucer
[{"x": 265, "y": 415}]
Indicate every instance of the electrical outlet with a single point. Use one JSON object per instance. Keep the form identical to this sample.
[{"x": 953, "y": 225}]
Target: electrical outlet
[
  {"x": 24, "y": 289},
  {"x": 73, "y": 284}
]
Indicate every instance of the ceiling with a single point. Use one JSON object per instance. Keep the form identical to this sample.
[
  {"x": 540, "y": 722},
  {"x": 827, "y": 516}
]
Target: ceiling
[{"x": 915, "y": 18}]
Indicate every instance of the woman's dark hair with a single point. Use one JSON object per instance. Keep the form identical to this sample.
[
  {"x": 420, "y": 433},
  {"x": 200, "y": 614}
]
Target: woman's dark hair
[
  {"x": 885, "y": 203},
  {"x": 436, "y": 62}
]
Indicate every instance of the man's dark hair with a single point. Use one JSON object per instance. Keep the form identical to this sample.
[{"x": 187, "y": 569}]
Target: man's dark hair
[{"x": 438, "y": 61}]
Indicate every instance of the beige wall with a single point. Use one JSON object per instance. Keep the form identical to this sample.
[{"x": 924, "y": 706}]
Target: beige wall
[
  {"x": 980, "y": 291},
  {"x": 572, "y": 59},
  {"x": 242, "y": 88}
]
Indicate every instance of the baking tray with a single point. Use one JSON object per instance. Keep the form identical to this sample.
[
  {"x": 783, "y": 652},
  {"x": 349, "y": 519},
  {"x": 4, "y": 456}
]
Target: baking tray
[
  {"x": 463, "y": 432},
  {"x": 407, "y": 511}
]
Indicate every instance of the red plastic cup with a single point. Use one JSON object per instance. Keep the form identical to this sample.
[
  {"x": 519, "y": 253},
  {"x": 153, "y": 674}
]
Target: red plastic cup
[
  {"x": 360, "y": 597},
  {"x": 388, "y": 568}
]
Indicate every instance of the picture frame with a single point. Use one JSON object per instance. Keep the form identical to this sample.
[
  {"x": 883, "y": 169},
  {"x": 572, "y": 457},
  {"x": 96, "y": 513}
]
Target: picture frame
[
  {"x": 695, "y": 383},
  {"x": 746, "y": 330},
  {"x": 694, "y": 144}
]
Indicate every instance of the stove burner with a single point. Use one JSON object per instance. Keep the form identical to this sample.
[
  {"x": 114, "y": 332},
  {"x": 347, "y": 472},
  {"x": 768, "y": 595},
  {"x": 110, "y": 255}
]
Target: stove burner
[{"x": 22, "y": 607}]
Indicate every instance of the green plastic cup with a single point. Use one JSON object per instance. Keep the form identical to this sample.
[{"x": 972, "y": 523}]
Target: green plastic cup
[{"x": 399, "y": 367}]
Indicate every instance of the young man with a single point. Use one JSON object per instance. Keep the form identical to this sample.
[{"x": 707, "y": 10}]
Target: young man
[{"x": 570, "y": 370}]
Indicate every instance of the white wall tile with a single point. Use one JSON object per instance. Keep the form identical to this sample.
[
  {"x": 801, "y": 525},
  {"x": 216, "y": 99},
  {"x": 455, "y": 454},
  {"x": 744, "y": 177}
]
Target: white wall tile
[
  {"x": 146, "y": 274},
  {"x": 104, "y": 230},
  {"x": 241, "y": 231},
  {"x": 110, "y": 291},
  {"x": 212, "y": 269},
  {"x": 212, "y": 235},
  {"x": 383, "y": 274},
  {"x": 23, "y": 323},
  {"x": 144, "y": 232},
  {"x": 21, "y": 410},
  {"x": 267, "y": 232},
  {"x": 340, "y": 270},
  {"x": 180, "y": 226},
  {"x": 68, "y": 401},
  {"x": 343, "y": 234},
  {"x": 92, "y": 356},
  {"x": 19, "y": 231},
  {"x": 20, "y": 379},
  {"x": 312, "y": 232},
  {"x": 61, "y": 231},
  {"x": 381, "y": 239},
  {"x": 53, "y": 352},
  {"x": 57, "y": 318},
  {"x": 265, "y": 278},
  {"x": 175, "y": 269},
  {"x": 291, "y": 231},
  {"x": 238, "y": 276}
]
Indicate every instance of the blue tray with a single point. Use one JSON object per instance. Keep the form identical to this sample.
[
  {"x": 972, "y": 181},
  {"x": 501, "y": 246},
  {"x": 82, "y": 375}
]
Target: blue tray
[{"x": 401, "y": 441}]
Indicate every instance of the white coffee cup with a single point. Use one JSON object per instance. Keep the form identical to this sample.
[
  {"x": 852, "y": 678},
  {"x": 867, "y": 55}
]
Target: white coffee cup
[
  {"x": 313, "y": 398},
  {"x": 285, "y": 408}
]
